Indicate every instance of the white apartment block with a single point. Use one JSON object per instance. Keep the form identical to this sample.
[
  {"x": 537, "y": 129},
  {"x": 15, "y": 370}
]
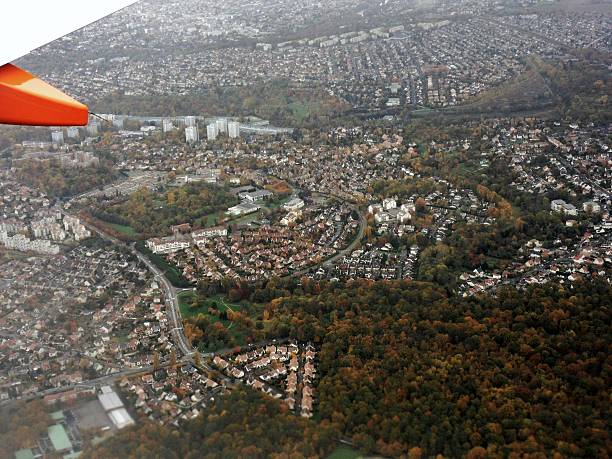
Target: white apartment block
[
  {"x": 169, "y": 244},
  {"x": 191, "y": 134},
  {"x": 212, "y": 131},
  {"x": 23, "y": 244},
  {"x": 233, "y": 129}
]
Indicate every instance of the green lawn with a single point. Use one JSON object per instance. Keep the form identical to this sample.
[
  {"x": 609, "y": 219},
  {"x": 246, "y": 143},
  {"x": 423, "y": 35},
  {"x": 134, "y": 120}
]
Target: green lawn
[
  {"x": 244, "y": 219},
  {"x": 276, "y": 204},
  {"x": 221, "y": 302},
  {"x": 300, "y": 111},
  {"x": 209, "y": 220},
  {"x": 123, "y": 229},
  {"x": 344, "y": 452}
]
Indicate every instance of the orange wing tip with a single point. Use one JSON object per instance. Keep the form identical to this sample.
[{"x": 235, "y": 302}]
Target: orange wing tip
[{"x": 27, "y": 100}]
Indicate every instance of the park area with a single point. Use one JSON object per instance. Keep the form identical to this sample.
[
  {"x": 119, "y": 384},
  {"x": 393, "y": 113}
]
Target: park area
[
  {"x": 222, "y": 322},
  {"x": 345, "y": 452}
]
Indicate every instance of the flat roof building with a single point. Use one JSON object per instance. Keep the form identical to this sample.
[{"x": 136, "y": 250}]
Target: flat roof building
[
  {"x": 59, "y": 438},
  {"x": 110, "y": 401},
  {"x": 121, "y": 418}
]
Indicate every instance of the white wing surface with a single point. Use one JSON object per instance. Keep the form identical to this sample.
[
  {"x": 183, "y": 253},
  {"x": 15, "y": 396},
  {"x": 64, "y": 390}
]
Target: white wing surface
[{"x": 29, "y": 24}]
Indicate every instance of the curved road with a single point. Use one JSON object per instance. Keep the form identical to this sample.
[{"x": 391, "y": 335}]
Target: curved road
[
  {"x": 348, "y": 249},
  {"x": 170, "y": 292}
]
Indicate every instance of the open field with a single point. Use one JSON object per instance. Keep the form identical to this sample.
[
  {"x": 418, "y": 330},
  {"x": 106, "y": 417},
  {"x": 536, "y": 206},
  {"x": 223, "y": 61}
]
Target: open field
[
  {"x": 123, "y": 229},
  {"x": 219, "y": 303},
  {"x": 345, "y": 452}
]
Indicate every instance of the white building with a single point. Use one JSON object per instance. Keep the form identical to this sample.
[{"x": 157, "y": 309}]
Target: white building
[
  {"x": 233, "y": 129},
  {"x": 373, "y": 209},
  {"x": 259, "y": 195},
  {"x": 57, "y": 137},
  {"x": 559, "y": 205},
  {"x": 221, "y": 125},
  {"x": 243, "y": 208},
  {"x": 190, "y": 121},
  {"x": 382, "y": 217},
  {"x": 212, "y": 131},
  {"x": 92, "y": 129},
  {"x": 73, "y": 132},
  {"x": 167, "y": 126},
  {"x": 403, "y": 216},
  {"x": 389, "y": 203},
  {"x": 408, "y": 207},
  {"x": 294, "y": 204},
  {"x": 191, "y": 134},
  {"x": 168, "y": 244},
  {"x": 114, "y": 408},
  {"x": 591, "y": 207},
  {"x": 291, "y": 217},
  {"x": 78, "y": 229},
  {"x": 208, "y": 233},
  {"x": 120, "y": 418},
  {"x": 570, "y": 209},
  {"x": 23, "y": 244}
]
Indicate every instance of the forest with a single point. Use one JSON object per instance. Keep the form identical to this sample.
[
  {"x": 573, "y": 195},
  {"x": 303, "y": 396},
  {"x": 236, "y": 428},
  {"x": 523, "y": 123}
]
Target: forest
[
  {"x": 242, "y": 424},
  {"x": 151, "y": 214},
  {"x": 58, "y": 181},
  {"x": 582, "y": 89},
  {"x": 21, "y": 425},
  {"x": 407, "y": 369},
  {"x": 276, "y": 101}
]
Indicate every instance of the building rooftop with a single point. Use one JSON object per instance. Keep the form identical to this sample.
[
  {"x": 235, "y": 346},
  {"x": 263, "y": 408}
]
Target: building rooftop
[
  {"x": 121, "y": 418},
  {"x": 24, "y": 454},
  {"x": 110, "y": 401},
  {"x": 59, "y": 438}
]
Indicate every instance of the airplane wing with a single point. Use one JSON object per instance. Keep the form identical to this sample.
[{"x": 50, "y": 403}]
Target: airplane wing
[{"x": 27, "y": 25}]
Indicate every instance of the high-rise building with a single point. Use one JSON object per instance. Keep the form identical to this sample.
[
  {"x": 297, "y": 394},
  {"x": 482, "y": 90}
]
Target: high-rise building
[
  {"x": 92, "y": 129},
  {"x": 221, "y": 125},
  {"x": 73, "y": 132},
  {"x": 167, "y": 126},
  {"x": 191, "y": 134},
  {"x": 118, "y": 123},
  {"x": 212, "y": 131},
  {"x": 233, "y": 129},
  {"x": 57, "y": 137},
  {"x": 190, "y": 121}
]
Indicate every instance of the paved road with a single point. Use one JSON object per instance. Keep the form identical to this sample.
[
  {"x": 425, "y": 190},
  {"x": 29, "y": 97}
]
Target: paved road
[
  {"x": 172, "y": 305},
  {"x": 353, "y": 245},
  {"x": 173, "y": 314},
  {"x": 347, "y": 250},
  {"x": 92, "y": 383},
  {"x": 170, "y": 292},
  {"x": 582, "y": 176},
  {"x": 531, "y": 33}
]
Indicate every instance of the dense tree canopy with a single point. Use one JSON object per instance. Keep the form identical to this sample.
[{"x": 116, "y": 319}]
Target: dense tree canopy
[
  {"x": 21, "y": 426},
  {"x": 152, "y": 214},
  {"x": 405, "y": 368},
  {"x": 243, "y": 424},
  {"x": 57, "y": 180},
  {"x": 276, "y": 101}
]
